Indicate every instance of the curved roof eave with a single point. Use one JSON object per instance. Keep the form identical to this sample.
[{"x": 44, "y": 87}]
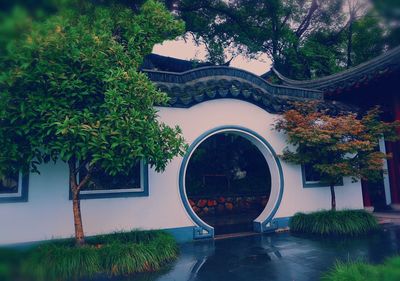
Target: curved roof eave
[{"x": 388, "y": 61}]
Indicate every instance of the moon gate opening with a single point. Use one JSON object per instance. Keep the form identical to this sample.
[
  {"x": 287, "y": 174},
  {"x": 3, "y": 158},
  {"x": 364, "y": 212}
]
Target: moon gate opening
[{"x": 228, "y": 182}]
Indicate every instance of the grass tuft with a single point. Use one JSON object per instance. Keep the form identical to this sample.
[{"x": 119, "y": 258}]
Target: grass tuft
[
  {"x": 9, "y": 263},
  {"x": 361, "y": 271},
  {"x": 337, "y": 223},
  {"x": 115, "y": 254}
]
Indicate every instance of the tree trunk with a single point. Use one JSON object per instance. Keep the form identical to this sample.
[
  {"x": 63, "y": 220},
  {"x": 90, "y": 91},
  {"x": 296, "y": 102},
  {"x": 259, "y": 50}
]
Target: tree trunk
[
  {"x": 76, "y": 206},
  {"x": 349, "y": 45},
  {"x": 76, "y": 202},
  {"x": 333, "y": 198},
  {"x": 275, "y": 37}
]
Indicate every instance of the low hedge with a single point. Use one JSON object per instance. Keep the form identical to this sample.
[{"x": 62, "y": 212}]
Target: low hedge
[
  {"x": 361, "y": 271},
  {"x": 339, "y": 223},
  {"x": 111, "y": 255}
]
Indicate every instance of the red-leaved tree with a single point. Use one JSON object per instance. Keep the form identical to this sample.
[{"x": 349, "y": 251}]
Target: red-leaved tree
[{"x": 338, "y": 146}]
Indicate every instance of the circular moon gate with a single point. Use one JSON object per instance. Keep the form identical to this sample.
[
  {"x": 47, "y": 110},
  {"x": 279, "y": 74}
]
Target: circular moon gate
[
  {"x": 228, "y": 182},
  {"x": 227, "y": 178}
]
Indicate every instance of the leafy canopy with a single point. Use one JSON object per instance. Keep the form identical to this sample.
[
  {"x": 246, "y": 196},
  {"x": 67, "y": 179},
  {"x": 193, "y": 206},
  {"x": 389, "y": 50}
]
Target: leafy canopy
[
  {"x": 335, "y": 146},
  {"x": 303, "y": 38},
  {"x": 70, "y": 89}
]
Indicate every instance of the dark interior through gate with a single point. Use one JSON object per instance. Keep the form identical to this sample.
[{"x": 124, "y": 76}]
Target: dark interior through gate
[{"x": 228, "y": 182}]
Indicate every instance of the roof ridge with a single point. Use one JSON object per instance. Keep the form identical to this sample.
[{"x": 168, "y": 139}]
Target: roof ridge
[{"x": 212, "y": 71}]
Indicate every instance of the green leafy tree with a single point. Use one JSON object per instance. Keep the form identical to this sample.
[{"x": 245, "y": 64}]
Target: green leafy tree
[
  {"x": 278, "y": 28},
  {"x": 72, "y": 92},
  {"x": 304, "y": 39},
  {"x": 389, "y": 10},
  {"x": 335, "y": 146},
  {"x": 368, "y": 39}
]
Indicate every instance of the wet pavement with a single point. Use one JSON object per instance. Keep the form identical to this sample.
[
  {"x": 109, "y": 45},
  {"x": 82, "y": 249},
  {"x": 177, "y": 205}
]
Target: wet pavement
[
  {"x": 274, "y": 257},
  {"x": 392, "y": 217}
]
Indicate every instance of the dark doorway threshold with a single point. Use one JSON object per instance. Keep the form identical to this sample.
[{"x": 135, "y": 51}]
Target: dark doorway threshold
[
  {"x": 232, "y": 223},
  {"x": 235, "y": 235}
]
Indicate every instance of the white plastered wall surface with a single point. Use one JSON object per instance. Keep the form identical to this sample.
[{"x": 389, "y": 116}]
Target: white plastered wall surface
[
  {"x": 229, "y": 112},
  {"x": 48, "y": 212}
]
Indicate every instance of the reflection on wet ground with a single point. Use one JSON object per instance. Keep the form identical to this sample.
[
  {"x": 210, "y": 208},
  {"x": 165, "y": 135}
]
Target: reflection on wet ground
[{"x": 272, "y": 257}]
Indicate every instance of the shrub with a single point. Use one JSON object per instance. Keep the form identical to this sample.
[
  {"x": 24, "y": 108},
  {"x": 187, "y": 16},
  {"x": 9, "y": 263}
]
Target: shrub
[
  {"x": 114, "y": 254},
  {"x": 360, "y": 271},
  {"x": 346, "y": 222}
]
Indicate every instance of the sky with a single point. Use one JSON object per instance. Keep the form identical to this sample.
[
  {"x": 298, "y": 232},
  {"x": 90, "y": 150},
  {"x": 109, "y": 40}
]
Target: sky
[{"x": 186, "y": 49}]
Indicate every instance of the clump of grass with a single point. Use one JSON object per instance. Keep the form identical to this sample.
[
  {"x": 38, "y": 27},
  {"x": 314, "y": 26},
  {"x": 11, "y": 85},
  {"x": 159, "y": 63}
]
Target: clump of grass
[
  {"x": 141, "y": 236},
  {"x": 339, "y": 223},
  {"x": 115, "y": 254},
  {"x": 119, "y": 258},
  {"x": 9, "y": 263},
  {"x": 55, "y": 261},
  {"x": 361, "y": 271}
]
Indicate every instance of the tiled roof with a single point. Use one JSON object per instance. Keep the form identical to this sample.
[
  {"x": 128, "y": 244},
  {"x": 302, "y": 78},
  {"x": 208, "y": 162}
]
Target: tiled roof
[
  {"x": 206, "y": 83},
  {"x": 383, "y": 65}
]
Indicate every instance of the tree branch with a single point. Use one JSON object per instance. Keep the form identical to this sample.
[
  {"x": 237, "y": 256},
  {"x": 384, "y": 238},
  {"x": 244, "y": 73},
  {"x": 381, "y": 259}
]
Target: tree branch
[
  {"x": 85, "y": 180},
  {"x": 73, "y": 172},
  {"x": 288, "y": 14},
  {"x": 81, "y": 165},
  {"x": 307, "y": 20}
]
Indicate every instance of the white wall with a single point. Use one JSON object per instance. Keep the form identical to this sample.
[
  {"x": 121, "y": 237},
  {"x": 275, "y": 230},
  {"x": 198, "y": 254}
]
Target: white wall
[
  {"x": 48, "y": 212},
  {"x": 208, "y": 115}
]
